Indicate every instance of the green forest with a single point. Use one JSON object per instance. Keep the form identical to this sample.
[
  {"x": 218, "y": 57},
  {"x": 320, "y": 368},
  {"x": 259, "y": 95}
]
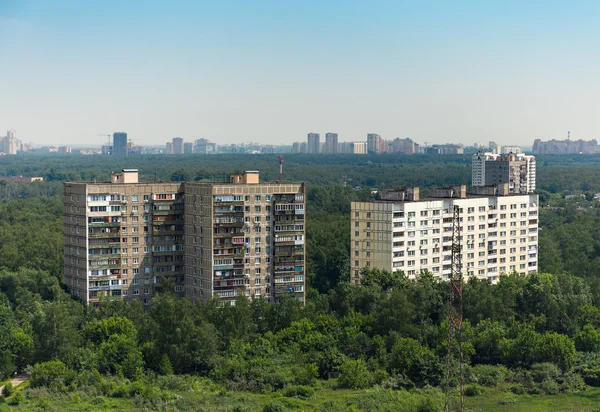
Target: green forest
[{"x": 530, "y": 343}]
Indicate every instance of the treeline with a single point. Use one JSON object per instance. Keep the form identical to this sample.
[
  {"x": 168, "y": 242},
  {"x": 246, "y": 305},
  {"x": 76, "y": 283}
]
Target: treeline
[
  {"x": 554, "y": 173},
  {"x": 538, "y": 334}
]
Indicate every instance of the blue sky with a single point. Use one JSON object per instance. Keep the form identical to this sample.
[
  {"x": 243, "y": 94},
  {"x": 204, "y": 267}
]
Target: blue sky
[{"x": 272, "y": 71}]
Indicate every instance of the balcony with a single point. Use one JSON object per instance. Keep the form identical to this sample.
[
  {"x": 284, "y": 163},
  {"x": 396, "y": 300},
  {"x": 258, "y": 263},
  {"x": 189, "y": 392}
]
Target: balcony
[
  {"x": 227, "y": 293},
  {"x": 104, "y": 224},
  {"x": 224, "y": 267},
  {"x": 227, "y": 221},
  {"x": 288, "y": 290}
]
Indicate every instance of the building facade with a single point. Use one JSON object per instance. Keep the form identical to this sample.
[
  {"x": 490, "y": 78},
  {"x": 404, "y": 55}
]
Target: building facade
[
  {"x": 401, "y": 232},
  {"x": 129, "y": 239}
]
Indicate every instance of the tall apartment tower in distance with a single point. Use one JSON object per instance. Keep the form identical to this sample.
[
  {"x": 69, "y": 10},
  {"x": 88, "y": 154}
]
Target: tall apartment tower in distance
[
  {"x": 517, "y": 170},
  {"x": 401, "y": 232},
  {"x": 313, "y": 144},
  {"x": 9, "y": 143},
  {"x": 188, "y": 147},
  {"x": 128, "y": 239},
  {"x": 120, "y": 144},
  {"x": 375, "y": 144},
  {"x": 331, "y": 143},
  {"x": 177, "y": 147}
]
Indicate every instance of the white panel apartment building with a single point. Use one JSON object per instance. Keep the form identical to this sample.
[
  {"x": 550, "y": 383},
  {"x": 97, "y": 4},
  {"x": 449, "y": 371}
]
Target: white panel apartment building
[{"x": 499, "y": 233}]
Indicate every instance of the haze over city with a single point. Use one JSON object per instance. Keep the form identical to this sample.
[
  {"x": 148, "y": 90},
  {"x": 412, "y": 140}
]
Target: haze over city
[{"x": 272, "y": 72}]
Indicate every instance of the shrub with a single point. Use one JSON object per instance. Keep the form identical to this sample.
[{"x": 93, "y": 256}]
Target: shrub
[
  {"x": 588, "y": 366},
  {"x": 550, "y": 387},
  {"x": 544, "y": 371},
  {"x": 306, "y": 375},
  {"x": 397, "y": 381},
  {"x": 417, "y": 362},
  {"x": 517, "y": 390},
  {"x": 507, "y": 401},
  {"x": 332, "y": 406},
  {"x": 572, "y": 382},
  {"x": 354, "y": 374},
  {"x": 53, "y": 374},
  {"x": 299, "y": 391},
  {"x": 489, "y": 375},
  {"x": 274, "y": 406},
  {"x": 473, "y": 390},
  {"x": 428, "y": 405},
  {"x": 8, "y": 390},
  {"x": 17, "y": 399}
]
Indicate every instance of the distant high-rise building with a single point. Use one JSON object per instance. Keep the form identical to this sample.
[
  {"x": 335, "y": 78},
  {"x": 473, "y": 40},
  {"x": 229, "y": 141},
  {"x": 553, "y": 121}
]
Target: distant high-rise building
[
  {"x": 120, "y": 144},
  {"x": 177, "y": 145},
  {"x": 375, "y": 144},
  {"x": 565, "y": 146},
  {"x": 188, "y": 147},
  {"x": 297, "y": 146},
  {"x": 205, "y": 146},
  {"x": 407, "y": 146},
  {"x": 169, "y": 148},
  {"x": 313, "y": 143},
  {"x": 359, "y": 147},
  {"x": 511, "y": 150},
  {"x": 495, "y": 148},
  {"x": 517, "y": 170},
  {"x": 331, "y": 143},
  {"x": 10, "y": 143}
]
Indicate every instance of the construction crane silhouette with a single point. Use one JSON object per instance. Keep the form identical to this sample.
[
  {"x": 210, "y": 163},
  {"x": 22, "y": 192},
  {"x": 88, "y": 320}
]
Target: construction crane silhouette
[{"x": 108, "y": 136}]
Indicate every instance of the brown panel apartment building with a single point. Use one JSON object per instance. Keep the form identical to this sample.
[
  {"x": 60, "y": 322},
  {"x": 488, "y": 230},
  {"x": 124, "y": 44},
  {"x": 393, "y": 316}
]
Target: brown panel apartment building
[{"x": 130, "y": 239}]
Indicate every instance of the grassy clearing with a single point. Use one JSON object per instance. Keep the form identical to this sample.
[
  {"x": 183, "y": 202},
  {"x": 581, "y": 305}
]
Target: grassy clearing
[
  {"x": 326, "y": 399},
  {"x": 499, "y": 400}
]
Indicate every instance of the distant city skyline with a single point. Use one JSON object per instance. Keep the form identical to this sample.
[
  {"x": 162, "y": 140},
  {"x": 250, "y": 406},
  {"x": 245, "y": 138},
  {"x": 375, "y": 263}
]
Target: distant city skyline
[{"x": 270, "y": 71}]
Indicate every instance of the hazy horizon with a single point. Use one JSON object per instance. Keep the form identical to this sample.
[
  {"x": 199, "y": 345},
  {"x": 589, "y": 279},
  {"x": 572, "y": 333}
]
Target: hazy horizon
[{"x": 265, "y": 71}]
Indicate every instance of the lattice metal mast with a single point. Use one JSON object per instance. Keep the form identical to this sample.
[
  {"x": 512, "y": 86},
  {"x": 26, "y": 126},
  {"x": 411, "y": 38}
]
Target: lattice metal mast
[{"x": 455, "y": 317}]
